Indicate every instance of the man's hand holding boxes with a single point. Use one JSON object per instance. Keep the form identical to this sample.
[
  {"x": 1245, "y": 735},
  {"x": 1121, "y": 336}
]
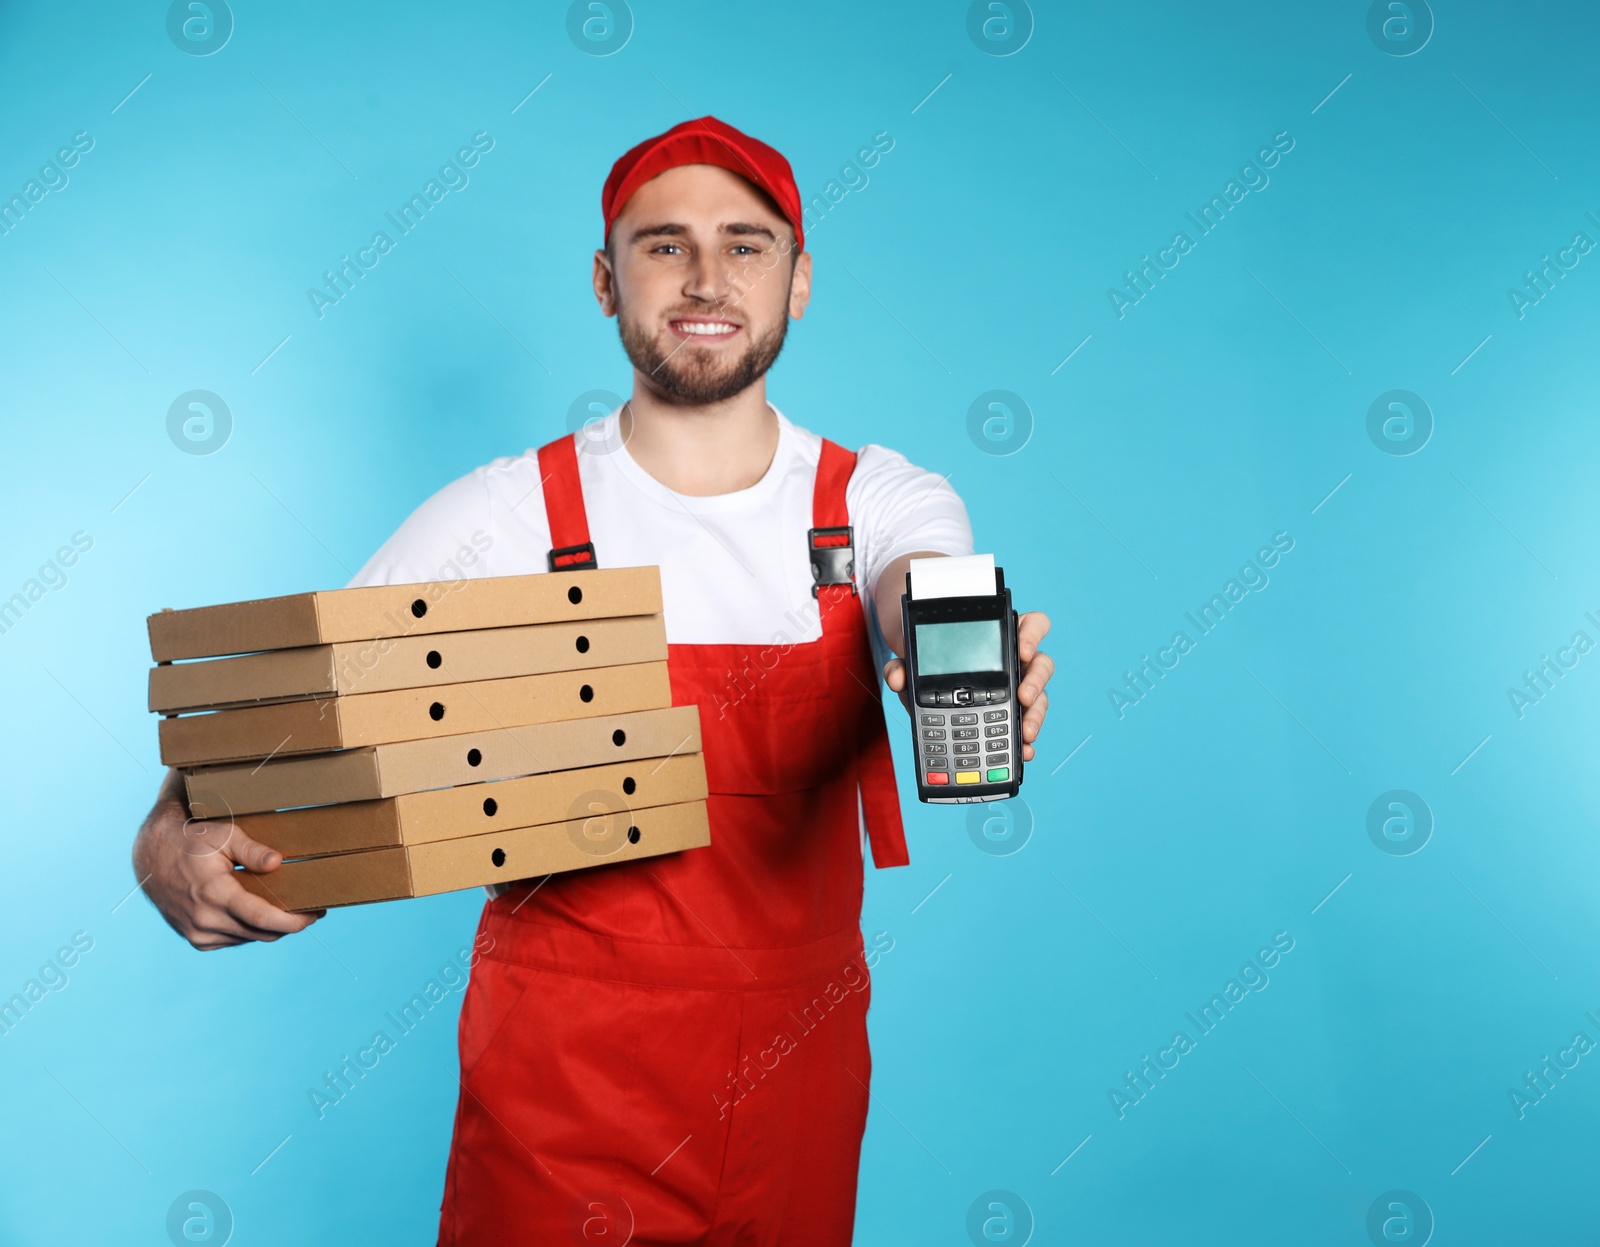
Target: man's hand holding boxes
[{"x": 412, "y": 739}]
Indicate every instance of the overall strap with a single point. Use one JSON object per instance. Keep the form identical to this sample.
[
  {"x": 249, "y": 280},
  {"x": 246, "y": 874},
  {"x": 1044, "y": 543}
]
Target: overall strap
[
  {"x": 571, "y": 548},
  {"x": 831, "y": 541},
  {"x": 857, "y": 686},
  {"x": 828, "y": 507}
]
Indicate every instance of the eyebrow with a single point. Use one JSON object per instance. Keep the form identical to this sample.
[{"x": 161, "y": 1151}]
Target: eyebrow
[
  {"x": 746, "y": 227},
  {"x": 672, "y": 230}
]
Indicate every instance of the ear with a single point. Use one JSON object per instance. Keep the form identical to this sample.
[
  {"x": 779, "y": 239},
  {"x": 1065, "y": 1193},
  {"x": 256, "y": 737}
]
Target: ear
[
  {"x": 800, "y": 286},
  {"x": 605, "y": 283}
]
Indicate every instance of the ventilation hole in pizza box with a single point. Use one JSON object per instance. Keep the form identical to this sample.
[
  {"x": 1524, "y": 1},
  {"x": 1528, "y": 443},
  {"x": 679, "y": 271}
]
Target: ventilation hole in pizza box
[
  {"x": 498, "y": 857},
  {"x": 583, "y": 645},
  {"x": 574, "y": 595},
  {"x": 419, "y": 608},
  {"x": 633, "y": 835},
  {"x": 436, "y": 711},
  {"x": 490, "y": 806},
  {"x": 628, "y": 785},
  {"x": 474, "y": 757},
  {"x": 619, "y": 738},
  {"x": 434, "y": 659},
  {"x": 586, "y": 693}
]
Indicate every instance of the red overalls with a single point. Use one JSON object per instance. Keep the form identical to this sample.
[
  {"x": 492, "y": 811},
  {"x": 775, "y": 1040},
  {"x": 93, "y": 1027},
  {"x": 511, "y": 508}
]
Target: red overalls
[{"x": 676, "y": 1048}]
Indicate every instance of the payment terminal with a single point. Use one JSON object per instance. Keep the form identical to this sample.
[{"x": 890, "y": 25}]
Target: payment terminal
[{"x": 963, "y": 670}]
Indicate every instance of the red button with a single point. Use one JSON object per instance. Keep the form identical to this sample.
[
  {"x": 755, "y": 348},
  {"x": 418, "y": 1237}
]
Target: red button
[{"x": 938, "y": 777}]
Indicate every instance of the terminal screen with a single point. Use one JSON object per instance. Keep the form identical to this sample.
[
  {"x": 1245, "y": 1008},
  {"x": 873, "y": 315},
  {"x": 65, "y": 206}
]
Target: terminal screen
[{"x": 957, "y": 648}]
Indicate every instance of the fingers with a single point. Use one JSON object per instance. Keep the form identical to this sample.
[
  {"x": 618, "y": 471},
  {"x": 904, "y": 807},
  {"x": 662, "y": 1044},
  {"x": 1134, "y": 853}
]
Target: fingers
[
  {"x": 252, "y": 854},
  {"x": 1038, "y": 667},
  {"x": 268, "y": 918},
  {"x": 220, "y": 929},
  {"x": 260, "y": 916},
  {"x": 1031, "y": 629},
  {"x": 203, "y": 837},
  {"x": 206, "y": 837},
  {"x": 224, "y": 914},
  {"x": 210, "y": 927},
  {"x": 894, "y": 675},
  {"x": 1034, "y": 677},
  {"x": 1033, "y": 721},
  {"x": 210, "y": 941}
]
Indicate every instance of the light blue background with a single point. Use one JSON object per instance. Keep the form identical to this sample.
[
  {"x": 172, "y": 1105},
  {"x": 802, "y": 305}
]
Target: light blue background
[{"x": 1171, "y": 843}]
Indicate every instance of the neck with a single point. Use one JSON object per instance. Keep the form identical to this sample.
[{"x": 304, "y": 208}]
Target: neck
[{"x": 701, "y": 450}]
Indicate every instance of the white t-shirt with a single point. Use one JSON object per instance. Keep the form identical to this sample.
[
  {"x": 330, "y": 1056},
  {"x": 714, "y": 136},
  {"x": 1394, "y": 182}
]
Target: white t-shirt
[{"x": 735, "y": 568}]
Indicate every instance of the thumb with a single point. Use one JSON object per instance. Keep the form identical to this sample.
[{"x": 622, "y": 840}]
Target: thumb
[
  {"x": 252, "y": 854},
  {"x": 894, "y": 675}
]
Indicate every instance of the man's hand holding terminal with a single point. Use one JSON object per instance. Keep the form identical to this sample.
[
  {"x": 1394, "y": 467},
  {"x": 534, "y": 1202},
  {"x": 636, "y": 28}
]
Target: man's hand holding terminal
[{"x": 1037, "y": 668}]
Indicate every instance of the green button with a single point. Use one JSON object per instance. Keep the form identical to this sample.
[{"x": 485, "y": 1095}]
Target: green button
[{"x": 999, "y": 774}]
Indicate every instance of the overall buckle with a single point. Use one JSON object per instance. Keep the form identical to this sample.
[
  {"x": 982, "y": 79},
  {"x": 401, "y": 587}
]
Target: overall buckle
[
  {"x": 833, "y": 557},
  {"x": 573, "y": 558}
]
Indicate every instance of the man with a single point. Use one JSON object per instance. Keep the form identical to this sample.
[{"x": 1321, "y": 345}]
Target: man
[{"x": 676, "y": 1047}]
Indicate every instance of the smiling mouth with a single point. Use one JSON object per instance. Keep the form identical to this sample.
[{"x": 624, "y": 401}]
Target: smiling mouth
[{"x": 696, "y": 329}]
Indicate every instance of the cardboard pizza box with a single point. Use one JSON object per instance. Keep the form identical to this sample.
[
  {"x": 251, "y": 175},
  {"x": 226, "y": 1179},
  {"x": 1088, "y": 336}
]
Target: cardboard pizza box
[
  {"x": 419, "y": 765},
  {"x": 472, "y": 809},
  {"x": 390, "y": 663},
  {"x": 602, "y": 838},
  {"x": 410, "y": 714},
  {"x": 335, "y": 615}
]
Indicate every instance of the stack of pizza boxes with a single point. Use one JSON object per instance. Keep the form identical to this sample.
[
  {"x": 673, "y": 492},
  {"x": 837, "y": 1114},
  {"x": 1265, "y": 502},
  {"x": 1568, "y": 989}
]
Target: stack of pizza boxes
[{"x": 413, "y": 739}]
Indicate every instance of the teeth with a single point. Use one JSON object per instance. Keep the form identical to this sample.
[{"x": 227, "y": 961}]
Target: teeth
[{"x": 701, "y": 327}]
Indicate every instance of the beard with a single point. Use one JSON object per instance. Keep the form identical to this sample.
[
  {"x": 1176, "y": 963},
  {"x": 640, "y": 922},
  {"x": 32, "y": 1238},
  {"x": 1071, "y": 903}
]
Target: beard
[{"x": 694, "y": 377}]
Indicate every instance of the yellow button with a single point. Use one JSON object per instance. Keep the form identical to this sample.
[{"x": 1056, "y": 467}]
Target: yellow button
[{"x": 967, "y": 777}]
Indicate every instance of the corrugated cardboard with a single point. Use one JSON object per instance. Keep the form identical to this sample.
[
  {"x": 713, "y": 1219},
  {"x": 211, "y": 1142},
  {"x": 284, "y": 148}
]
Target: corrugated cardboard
[
  {"x": 405, "y": 662},
  {"x": 474, "y": 861},
  {"x": 420, "y": 765},
  {"x": 402, "y": 610},
  {"x": 411, "y": 714},
  {"x": 471, "y": 809}
]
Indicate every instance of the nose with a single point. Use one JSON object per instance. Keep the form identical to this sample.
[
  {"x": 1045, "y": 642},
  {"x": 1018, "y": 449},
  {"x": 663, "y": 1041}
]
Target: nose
[{"x": 708, "y": 278}]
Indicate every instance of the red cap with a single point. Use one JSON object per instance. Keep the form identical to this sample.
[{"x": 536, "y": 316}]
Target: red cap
[{"x": 704, "y": 142}]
